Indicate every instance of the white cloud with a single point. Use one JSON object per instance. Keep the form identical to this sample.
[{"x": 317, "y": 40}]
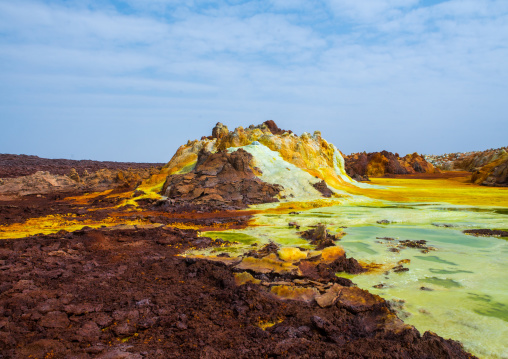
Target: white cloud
[
  {"x": 368, "y": 10},
  {"x": 245, "y": 63}
]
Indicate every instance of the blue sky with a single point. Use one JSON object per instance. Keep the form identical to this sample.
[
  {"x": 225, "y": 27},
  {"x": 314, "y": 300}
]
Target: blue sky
[{"x": 131, "y": 80}]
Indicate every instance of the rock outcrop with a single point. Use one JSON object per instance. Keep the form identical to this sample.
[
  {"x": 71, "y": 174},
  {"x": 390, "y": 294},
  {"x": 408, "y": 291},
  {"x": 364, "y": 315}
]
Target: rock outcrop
[
  {"x": 377, "y": 164},
  {"x": 43, "y": 182},
  {"x": 489, "y": 167},
  {"x": 12, "y": 166},
  {"x": 219, "y": 180},
  {"x": 305, "y": 165},
  {"x": 493, "y": 174}
]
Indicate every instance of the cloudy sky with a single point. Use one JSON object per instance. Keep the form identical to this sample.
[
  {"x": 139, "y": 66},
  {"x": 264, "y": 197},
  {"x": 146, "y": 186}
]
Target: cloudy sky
[{"x": 131, "y": 80}]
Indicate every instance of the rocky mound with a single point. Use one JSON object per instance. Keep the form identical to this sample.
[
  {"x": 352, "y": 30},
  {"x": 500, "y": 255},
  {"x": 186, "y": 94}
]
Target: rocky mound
[
  {"x": 219, "y": 180},
  {"x": 309, "y": 158},
  {"x": 360, "y": 166}
]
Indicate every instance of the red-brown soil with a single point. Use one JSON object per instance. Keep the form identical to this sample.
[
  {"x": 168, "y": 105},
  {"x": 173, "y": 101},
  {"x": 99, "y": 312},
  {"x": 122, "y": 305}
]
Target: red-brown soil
[
  {"x": 24, "y": 165},
  {"x": 124, "y": 294}
]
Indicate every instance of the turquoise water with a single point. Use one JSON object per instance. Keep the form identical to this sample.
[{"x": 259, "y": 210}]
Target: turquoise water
[{"x": 464, "y": 280}]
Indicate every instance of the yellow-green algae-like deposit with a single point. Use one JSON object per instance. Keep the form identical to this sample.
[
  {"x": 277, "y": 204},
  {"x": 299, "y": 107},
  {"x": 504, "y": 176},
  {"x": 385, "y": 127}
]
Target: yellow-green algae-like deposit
[{"x": 458, "y": 288}]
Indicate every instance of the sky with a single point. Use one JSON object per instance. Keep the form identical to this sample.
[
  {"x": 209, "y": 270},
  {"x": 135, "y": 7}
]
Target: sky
[{"x": 132, "y": 80}]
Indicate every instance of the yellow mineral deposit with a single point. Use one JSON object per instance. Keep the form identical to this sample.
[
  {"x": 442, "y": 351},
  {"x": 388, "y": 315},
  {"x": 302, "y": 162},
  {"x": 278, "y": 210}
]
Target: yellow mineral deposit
[
  {"x": 291, "y": 254},
  {"x": 54, "y": 223}
]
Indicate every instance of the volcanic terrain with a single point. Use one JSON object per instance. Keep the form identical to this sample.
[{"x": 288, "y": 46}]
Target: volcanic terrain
[{"x": 111, "y": 260}]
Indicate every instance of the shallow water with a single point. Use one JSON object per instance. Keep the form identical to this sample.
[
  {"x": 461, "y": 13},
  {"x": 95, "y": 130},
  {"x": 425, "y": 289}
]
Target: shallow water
[{"x": 464, "y": 280}]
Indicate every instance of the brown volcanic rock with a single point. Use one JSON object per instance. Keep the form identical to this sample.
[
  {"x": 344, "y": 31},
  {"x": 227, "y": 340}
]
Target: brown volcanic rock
[
  {"x": 219, "y": 180},
  {"x": 26, "y": 175},
  {"x": 320, "y": 237},
  {"x": 182, "y": 308},
  {"x": 43, "y": 182},
  {"x": 377, "y": 164},
  {"x": 219, "y": 131},
  {"x": 23, "y": 165},
  {"x": 323, "y": 188},
  {"x": 274, "y": 129},
  {"x": 489, "y": 167},
  {"x": 493, "y": 174}
]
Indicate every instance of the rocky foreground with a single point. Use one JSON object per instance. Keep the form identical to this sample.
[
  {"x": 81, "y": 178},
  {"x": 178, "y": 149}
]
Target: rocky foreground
[
  {"x": 128, "y": 288},
  {"x": 124, "y": 293}
]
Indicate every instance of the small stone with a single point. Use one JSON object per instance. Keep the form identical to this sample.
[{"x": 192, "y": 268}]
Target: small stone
[
  {"x": 124, "y": 329},
  {"x": 181, "y": 325},
  {"x": 88, "y": 332},
  {"x": 55, "y": 319}
]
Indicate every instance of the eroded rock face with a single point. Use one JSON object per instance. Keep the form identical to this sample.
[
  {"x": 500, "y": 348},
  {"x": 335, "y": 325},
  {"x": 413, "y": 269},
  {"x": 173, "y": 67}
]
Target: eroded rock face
[
  {"x": 489, "y": 167},
  {"x": 274, "y": 129},
  {"x": 219, "y": 180},
  {"x": 378, "y": 164},
  {"x": 219, "y": 131},
  {"x": 494, "y": 174},
  {"x": 43, "y": 182}
]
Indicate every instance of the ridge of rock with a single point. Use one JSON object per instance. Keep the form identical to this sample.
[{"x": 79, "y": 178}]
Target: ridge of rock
[
  {"x": 219, "y": 180},
  {"x": 321, "y": 161},
  {"x": 489, "y": 167},
  {"x": 377, "y": 164}
]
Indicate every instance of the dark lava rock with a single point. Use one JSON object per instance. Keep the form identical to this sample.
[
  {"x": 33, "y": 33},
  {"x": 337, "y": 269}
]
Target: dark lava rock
[
  {"x": 263, "y": 251},
  {"x": 377, "y": 164},
  {"x": 274, "y": 129},
  {"x": 325, "y": 272},
  {"x": 220, "y": 180},
  {"x": 419, "y": 244},
  {"x": 294, "y": 224},
  {"x": 399, "y": 269},
  {"x": 55, "y": 320},
  {"x": 323, "y": 188},
  {"x": 427, "y": 289},
  {"x": 486, "y": 232},
  {"x": 24, "y": 165},
  {"x": 320, "y": 237},
  {"x": 88, "y": 332}
]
